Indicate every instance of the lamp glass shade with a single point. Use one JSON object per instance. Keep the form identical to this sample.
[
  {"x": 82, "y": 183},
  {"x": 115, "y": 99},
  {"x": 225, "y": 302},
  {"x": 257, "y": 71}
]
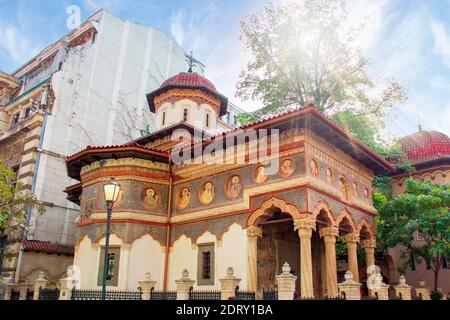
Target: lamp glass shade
[{"x": 111, "y": 190}]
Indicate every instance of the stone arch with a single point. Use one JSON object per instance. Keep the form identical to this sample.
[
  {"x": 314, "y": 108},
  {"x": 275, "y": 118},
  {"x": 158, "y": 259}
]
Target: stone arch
[
  {"x": 364, "y": 224},
  {"x": 346, "y": 216},
  {"x": 273, "y": 202},
  {"x": 322, "y": 206}
]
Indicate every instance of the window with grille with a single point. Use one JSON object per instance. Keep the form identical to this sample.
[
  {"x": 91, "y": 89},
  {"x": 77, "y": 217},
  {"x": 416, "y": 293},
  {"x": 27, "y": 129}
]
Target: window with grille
[
  {"x": 164, "y": 118},
  {"x": 112, "y": 274},
  {"x": 207, "y": 120},
  {"x": 205, "y": 268},
  {"x": 185, "y": 115},
  {"x": 206, "y": 265}
]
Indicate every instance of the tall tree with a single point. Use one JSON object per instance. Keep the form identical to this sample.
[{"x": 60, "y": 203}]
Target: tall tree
[
  {"x": 15, "y": 202},
  {"x": 306, "y": 53},
  {"x": 423, "y": 209}
]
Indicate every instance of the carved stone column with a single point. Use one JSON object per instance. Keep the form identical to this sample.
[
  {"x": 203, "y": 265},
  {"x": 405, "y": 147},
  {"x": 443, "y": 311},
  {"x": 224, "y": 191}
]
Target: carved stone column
[
  {"x": 305, "y": 227},
  {"x": 351, "y": 240},
  {"x": 329, "y": 235},
  {"x": 369, "y": 246},
  {"x": 253, "y": 234}
]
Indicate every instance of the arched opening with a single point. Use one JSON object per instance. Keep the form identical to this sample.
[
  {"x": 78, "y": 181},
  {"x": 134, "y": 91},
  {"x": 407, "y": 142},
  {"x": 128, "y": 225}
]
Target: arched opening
[
  {"x": 278, "y": 244},
  {"x": 342, "y": 253}
]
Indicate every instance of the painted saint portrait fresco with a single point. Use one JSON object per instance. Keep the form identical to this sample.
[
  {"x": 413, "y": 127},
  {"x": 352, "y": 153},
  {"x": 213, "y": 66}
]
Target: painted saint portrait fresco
[
  {"x": 259, "y": 175},
  {"x": 233, "y": 187},
  {"x": 119, "y": 200},
  {"x": 355, "y": 189},
  {"x": 287, "y": 168},
  {"x": 206, "y": 193},
  {"x": 150, "y": 198},
  {"x": 330, "y": 177},
  {"x": 366, "y": 193},
  {"x": 343, "y": 188},
  {"x": 314, "y": 168},
  {"x": 183, "y": 198}
]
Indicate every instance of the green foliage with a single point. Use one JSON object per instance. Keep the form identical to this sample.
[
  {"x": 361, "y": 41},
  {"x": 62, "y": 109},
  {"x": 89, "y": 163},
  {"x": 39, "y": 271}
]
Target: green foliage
[
  {"x": 424, "y": 208},
  {"x": 307, "y": 53},
  {"x": 14, "y": 202},
  {"x": 436, "y": 295}
]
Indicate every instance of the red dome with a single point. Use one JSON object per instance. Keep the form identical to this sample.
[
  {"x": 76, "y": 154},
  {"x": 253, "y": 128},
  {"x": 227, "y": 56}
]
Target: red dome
[
  {"x": 425, "y": 146},
  {"x": 188, "y": 79}
]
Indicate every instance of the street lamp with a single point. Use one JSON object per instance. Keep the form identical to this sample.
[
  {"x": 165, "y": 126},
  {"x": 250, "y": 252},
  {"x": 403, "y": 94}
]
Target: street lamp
[{"x": 111, "y": 191}]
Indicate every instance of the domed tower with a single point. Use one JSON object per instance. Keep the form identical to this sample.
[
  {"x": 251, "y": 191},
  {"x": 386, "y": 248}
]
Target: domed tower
[
  {"x": 429, "y": 153},
  {"x": 187, "y": 98}
]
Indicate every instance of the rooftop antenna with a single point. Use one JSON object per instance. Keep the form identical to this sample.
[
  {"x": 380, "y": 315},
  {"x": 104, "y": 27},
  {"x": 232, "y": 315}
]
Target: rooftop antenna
[
  {"x": 418, "y": 121},
  {"x": 191, "y": 61}
]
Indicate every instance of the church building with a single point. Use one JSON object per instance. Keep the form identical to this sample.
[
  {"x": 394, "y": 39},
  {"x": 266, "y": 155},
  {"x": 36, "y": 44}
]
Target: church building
[{"x": 205, "y": 216}]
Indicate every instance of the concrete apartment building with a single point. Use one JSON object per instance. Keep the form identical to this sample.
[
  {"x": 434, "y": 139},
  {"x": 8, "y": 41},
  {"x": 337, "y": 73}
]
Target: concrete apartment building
[{"x": 88, "y": 88}]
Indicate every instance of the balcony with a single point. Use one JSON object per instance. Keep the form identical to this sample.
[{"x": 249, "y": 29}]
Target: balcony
[{"x": 23, "y": 126}]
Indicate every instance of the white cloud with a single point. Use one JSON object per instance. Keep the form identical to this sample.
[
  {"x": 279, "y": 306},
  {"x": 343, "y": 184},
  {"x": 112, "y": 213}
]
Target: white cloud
[
  {"x": 16, "y": 43},
  {"x": 441, "y": 41},
  {"x": 176, "y": 27}
]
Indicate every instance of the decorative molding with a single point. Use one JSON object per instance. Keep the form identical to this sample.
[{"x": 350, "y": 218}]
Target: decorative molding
[{"x": 270, "y": 203}]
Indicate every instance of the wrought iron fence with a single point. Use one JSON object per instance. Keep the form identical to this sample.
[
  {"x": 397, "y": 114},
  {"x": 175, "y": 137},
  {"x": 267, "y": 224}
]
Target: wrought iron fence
[
  {"x": 48, "y": 294},
  {"x": 110, "y": 295},
  {"x": 204, "y": 295},
  {"x": 270, "y": 293},
  {"x": 161, "y": 295},
  {"x": 15, "y": 295},
  {"x": 369, "y": 298},
  {"x": 30, "y": 295},
  {"x": 244, "y": 295}
]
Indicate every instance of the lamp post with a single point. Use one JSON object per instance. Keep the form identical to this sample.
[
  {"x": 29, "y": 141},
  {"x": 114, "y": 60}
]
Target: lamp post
[{"x": 111, "y": 191}]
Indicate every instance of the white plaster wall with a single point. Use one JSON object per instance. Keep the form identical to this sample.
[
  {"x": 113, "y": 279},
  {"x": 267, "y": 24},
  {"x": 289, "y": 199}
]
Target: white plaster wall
[
  {"x": 146, "y": 255},
  {"x": 231, "y": 251},
  {"x": 126, "y": 61},
  {"x": 84, "y": 259},
  {"x": 196, "y": 115},
  {"x": 181, "y": 256}
]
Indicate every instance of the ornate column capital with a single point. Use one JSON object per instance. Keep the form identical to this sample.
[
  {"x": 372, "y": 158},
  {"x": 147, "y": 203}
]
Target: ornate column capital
[
  {"x": 351, "y": 238},
  {"x": 254, "y": 232},
  {"x": 329, "y": 232},
  {"x": 369, "y": 244},
  {"x": 305, "y": 227}
]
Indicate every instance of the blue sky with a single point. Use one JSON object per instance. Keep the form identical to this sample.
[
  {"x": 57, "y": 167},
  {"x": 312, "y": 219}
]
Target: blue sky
[{"x": 408, "y": 40}]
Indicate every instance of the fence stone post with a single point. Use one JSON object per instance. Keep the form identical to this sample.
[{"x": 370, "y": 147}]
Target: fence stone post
[
  {"x": 146, "y": 285},
  {"x": 423, "y": 291},
  {"x": 286, "y": 283},
  {"x": 40, "y": 283},
  {"x": 8, "y": 285},
  {"x": 402, "y": 289},
  {"x": 67, "y": 284},
  {"x": 350, "y": 287},
  {"x": 380, "y": 288},
  {"x": 228, "y": 284},
  {"x": 23, "y": 289},
  {"x": 184, "y": 285}
]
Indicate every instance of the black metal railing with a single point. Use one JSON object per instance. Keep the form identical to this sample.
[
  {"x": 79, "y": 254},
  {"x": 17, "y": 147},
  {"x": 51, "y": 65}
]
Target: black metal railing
[
  {"x": 270, "y": 293},
  {"x": 48, "y": 294},
  {"x": 204, "y": 295},
  {"x": 369, "y": 298},
  {"x": 30, "y": 295},
  {"x": 110, "y": 295},
  {"x": 15, "y": 295},
  {"x": 244, "y": 295},
  {"x": 161, "y": 295}
]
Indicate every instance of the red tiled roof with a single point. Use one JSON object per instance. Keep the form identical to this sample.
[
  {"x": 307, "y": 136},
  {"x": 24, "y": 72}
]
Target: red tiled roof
[
  {"x": 126, "y": 145},
  {"x": 425, "y": 146},
  {"x": 188, "y": 79},
  {"x": 47, "y": 247}
]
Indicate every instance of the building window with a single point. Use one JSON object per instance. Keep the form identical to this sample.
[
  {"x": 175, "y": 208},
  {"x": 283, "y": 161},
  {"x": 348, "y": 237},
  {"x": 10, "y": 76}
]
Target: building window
[
  {"x": 16, "y": 173},
  {"x": 205, "y": 267},
  {"x": 207, "y": 119},
  {"x": 16, "y": 118},
  {"x": 112, "y": 275},
  {"x": 428, "y": 264},
  {"x": 228, "y": 117},
  {"x": 235, "y": 120},
  {"x": 164, "y": 118},
  {"x": 185, "y": 115},
  {"x": 27, "y": 112}
]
